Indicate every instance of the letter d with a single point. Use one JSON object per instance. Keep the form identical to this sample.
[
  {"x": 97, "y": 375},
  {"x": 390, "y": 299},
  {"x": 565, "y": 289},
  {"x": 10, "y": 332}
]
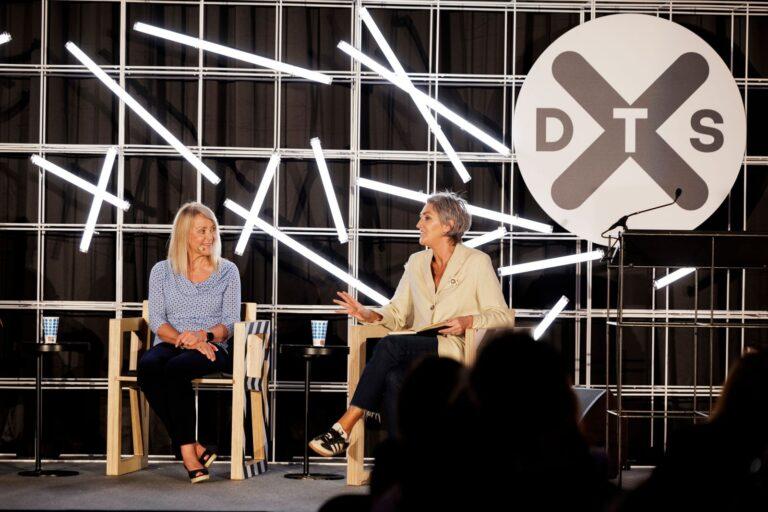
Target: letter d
[{"x": 542, "y": 144}]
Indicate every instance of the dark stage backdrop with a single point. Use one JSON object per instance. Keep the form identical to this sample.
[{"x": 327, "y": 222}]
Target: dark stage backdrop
[{"x": 235, "y": 115}]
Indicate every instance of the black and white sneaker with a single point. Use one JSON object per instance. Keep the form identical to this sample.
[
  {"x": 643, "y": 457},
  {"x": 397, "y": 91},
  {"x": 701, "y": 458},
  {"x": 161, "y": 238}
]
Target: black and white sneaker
[{"x": 329, "y": 444}]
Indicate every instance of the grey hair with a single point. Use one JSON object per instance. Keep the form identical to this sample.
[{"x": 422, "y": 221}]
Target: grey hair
[{"x": 451, "y": 208}]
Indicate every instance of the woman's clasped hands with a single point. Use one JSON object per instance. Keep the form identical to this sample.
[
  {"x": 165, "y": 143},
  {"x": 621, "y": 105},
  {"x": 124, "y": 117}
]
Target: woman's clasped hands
[{"x": 196, "y": 340}]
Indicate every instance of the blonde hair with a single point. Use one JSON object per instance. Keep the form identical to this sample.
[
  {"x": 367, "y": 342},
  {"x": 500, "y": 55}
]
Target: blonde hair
[{"x": 182, "y": 224}]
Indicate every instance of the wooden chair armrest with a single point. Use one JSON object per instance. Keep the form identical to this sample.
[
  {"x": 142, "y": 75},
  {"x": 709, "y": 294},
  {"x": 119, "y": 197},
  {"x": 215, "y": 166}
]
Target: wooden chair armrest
[
  {"x": 358, "y": 341},
  {"x": 256, "y": 349},
  {"x": 250, "y": 348},
  {"x": 249, "y": 311},
  {"x": 140, "y": 339}
]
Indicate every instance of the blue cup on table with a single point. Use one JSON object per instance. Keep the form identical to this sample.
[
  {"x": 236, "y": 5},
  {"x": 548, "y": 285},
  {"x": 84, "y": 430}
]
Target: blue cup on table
[
  {"x": 50, "y": 328},
  {"x": 319, "y": 330}
]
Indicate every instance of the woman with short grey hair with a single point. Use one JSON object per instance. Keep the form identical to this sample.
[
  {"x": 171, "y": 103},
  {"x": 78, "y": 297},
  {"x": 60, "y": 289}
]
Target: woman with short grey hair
[
  {"x": 448, "y": 283},
  {"x": 452, "y": 210}
]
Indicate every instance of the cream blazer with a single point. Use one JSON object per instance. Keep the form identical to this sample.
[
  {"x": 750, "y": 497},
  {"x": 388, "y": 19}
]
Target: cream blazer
[{"x": 469, "y": 286}]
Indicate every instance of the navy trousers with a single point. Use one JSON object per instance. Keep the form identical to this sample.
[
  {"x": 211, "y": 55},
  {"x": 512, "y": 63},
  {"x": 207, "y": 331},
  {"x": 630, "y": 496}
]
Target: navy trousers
[
  {"x": 384, "y": 373},
  {"x": 165, "y": 374}
]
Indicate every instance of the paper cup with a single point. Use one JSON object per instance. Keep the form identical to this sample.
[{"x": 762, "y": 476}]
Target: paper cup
[
  {"x": 50, "y": 328},
  {"x": 319, "y": 329}
]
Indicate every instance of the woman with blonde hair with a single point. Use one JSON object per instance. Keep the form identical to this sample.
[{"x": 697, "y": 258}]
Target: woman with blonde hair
[{"x": 194, "y": 301}]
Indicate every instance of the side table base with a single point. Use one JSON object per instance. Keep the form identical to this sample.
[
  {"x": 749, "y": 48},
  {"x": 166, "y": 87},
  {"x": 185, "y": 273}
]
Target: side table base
[
  {"x": 314, "y": 476},
  {"x": 49, "y": 472}
]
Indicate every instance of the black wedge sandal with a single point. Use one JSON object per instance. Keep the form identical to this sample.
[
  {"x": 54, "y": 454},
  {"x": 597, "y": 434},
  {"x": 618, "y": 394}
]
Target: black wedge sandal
[
  {"x": 197, "y": 475},
  {"x": 207, "y": 458}
]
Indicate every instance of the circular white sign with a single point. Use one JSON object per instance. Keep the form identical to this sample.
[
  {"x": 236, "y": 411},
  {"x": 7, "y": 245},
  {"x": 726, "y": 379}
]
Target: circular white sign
[{"x": 623, "y": 113}]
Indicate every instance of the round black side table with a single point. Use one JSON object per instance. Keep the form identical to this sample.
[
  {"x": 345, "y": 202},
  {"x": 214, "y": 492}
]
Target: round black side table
[
  {"x": 40, "y": 349},
  {"x": 308, "y": 353}
]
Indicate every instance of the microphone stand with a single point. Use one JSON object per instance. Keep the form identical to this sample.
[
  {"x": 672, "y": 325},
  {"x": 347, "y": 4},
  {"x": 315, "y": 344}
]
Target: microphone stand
[{"x": 622, "y": 223}]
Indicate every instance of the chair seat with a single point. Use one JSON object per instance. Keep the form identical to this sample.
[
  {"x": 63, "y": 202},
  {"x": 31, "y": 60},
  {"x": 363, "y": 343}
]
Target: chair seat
[{"x": 130, "y": 377}]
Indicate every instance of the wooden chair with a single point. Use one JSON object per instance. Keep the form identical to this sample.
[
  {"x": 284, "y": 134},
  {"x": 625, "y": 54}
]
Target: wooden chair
[
  {"x": 358, "y": 341},
  {"x": 250, "y": 374}
]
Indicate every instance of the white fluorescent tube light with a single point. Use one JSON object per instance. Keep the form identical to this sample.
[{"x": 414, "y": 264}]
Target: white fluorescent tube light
[
  {"x": 78, "y": 182},
  {"x": 512, "y": 220},
  {"x": 550, "y": 263},
  {"x": 392, "y": 190},
  {"x": 261, "y": 194},
  {"x": 310, "y": 255},
  {"x": 487, "y": 237},
  {"x": 5, "y": 37},
  {"x": 474, "y": 210},
  {"x": 420, "y": 105},
  {"x": 428, "y": 100},
  {"x": 550, "y": 317},
  {"x": 93, "y": 215},
  {"x": 325, "y": 177},
  {"x": 233, "y": 53},
  {"x": 672, "y": 277},
  {"x": 142, "y": 112}
]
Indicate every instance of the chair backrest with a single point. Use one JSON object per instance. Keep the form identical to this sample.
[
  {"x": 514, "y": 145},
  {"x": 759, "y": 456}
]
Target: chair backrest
[{"x": 247, "y": 311}]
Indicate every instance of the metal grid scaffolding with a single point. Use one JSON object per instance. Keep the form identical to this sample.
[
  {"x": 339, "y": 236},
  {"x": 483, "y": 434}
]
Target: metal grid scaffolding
[{"x": 584, "y": 319}]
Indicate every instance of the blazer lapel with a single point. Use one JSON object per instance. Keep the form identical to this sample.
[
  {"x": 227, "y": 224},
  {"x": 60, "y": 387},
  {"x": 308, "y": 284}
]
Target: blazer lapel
[
  {"x": 425, "y": 272},
  {"x": 459, "y": 256}
]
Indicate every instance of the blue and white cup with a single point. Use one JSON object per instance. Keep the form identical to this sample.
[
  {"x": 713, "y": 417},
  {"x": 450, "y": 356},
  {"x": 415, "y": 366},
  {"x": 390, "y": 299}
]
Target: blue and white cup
[
  {"x": 319, "y": 330},
  {"x": 50, "y": 328}
]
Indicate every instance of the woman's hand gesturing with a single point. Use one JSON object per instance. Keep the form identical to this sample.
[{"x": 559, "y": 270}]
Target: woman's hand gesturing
[{"x": 354, "y": 309}]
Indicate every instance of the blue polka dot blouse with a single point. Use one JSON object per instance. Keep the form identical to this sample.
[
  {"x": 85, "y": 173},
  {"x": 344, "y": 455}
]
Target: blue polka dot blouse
[{"x": 189, "y": 306}]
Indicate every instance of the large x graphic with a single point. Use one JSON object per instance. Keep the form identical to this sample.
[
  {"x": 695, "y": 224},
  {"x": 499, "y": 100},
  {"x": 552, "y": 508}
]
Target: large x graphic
[{"x": 600, "y": 160}]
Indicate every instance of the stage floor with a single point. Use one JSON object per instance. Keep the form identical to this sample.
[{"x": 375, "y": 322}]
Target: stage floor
[{"x": 165, "y": 487}]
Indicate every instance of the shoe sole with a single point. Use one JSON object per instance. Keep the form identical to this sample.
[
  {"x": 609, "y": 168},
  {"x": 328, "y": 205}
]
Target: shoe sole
[
  {"x": 320, "y": 450},
  {"x": 200, "y": 478},
  {"x": 210, "y": 460}
]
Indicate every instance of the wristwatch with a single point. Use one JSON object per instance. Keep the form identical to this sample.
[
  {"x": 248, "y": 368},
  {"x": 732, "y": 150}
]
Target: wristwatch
[{"x": 209, "y": 336}]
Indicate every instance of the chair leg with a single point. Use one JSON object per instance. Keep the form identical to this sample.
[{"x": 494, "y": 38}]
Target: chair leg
[
  {"x": 114, "y": 421},
  {"x": 139, "y": 425},
  {"x": 356, "y": 474},
  {"x": 257, "y": 426},
  {"x": 116, "y": 463},
  {"x": 238, "y": 435},
  {"x": 238, "y": 405}
]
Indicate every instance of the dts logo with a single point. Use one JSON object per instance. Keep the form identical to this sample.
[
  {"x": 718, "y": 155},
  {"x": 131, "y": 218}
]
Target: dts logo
[{"x": 619, "y": 113}]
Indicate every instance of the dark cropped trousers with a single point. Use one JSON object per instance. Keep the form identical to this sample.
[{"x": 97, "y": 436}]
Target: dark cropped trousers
[
  {"x": 165, "y": 374},
  {"x": 383, "y": 376}
]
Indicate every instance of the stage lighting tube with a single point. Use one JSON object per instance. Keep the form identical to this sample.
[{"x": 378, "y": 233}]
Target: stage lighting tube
[
  {"x": 251, "y": 58},
  {"x": 142, "y": 113},
  {"x": 93, "y": 214},
  {"x": 474, "y": 210},
  {"x": 310, "y": 255},
  {"x": 551, "y": 262},
  {"x": 550, "y": 317},
  {"x": 78, "y": 182},
  {"x": 5, "y": 37},
  {"x": 420, "y": 105},
  {"x": 325, "y": 178},
  {"x": 487, "y": 237},
  {"x": 261, "y": 194},
  {"x": 432, "y": 103},
  {"x": 672, "y": 277}
]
